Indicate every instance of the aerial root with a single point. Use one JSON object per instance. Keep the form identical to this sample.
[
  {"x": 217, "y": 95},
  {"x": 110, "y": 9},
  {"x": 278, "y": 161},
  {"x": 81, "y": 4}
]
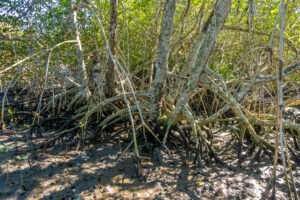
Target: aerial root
[
  {"x": 209, "y": 150},
  {"x": 202, "y": 140},
  {"x": 187, "y": 112},
  {"x": 183, "y": 136},
  {"x": 217, "y": 159},
  {"x": 295, "y": 155},
  {"x": 57, "y": 137}
]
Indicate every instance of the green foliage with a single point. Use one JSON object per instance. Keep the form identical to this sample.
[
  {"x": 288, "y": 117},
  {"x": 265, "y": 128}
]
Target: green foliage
[
  {"x": 3, "y": 147},
  {"x": 22, "y": 157},
  {"x": 11, "y": 113},
  {"x": 46, "y": 23}
]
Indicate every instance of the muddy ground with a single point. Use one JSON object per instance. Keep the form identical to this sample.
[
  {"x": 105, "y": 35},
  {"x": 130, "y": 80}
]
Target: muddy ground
[{"x": 93, "y": 173}]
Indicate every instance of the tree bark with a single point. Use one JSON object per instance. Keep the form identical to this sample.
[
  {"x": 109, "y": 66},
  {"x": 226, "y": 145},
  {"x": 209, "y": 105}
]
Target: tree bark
[
  {"x": 161, "y": 64},
  {"x": 157, "y": 21},
  {"x": 111, "y": 74},
  {"x": 214, "y": 27},
  {"x": 79, "y": 53}
]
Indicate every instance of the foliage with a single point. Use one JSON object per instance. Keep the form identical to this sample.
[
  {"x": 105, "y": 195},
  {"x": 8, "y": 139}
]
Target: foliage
[{"x": 43, "y": 33}]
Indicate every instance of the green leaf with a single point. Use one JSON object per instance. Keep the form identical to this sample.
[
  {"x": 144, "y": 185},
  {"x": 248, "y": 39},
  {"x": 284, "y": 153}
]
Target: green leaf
[
  {"x": 19, "y": 157},
  {"x": 2, "y": 150},
  {"x": 10, "y": 111},
  {"x": 22, "y": 157}
]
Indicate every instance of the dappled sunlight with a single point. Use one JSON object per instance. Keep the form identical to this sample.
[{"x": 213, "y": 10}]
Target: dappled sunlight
[{"x": 161, "y": 99}]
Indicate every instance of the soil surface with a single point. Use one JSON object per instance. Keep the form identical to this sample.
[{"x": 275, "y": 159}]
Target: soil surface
[{"x": 93, "y": 173}]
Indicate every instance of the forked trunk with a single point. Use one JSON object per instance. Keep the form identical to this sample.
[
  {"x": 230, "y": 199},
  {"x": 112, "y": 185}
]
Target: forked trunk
[{"x": 214, "y": 27}]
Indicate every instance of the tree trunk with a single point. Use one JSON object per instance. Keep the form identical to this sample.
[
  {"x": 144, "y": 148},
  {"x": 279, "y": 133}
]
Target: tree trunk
[
  {"x": 79, "y": 54},
  {"x": 111, "y": 74},
  {"x": 215, "y": 25},
  {"x": 157, "y": 21},
  {"x": 161, "y": 64}
]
